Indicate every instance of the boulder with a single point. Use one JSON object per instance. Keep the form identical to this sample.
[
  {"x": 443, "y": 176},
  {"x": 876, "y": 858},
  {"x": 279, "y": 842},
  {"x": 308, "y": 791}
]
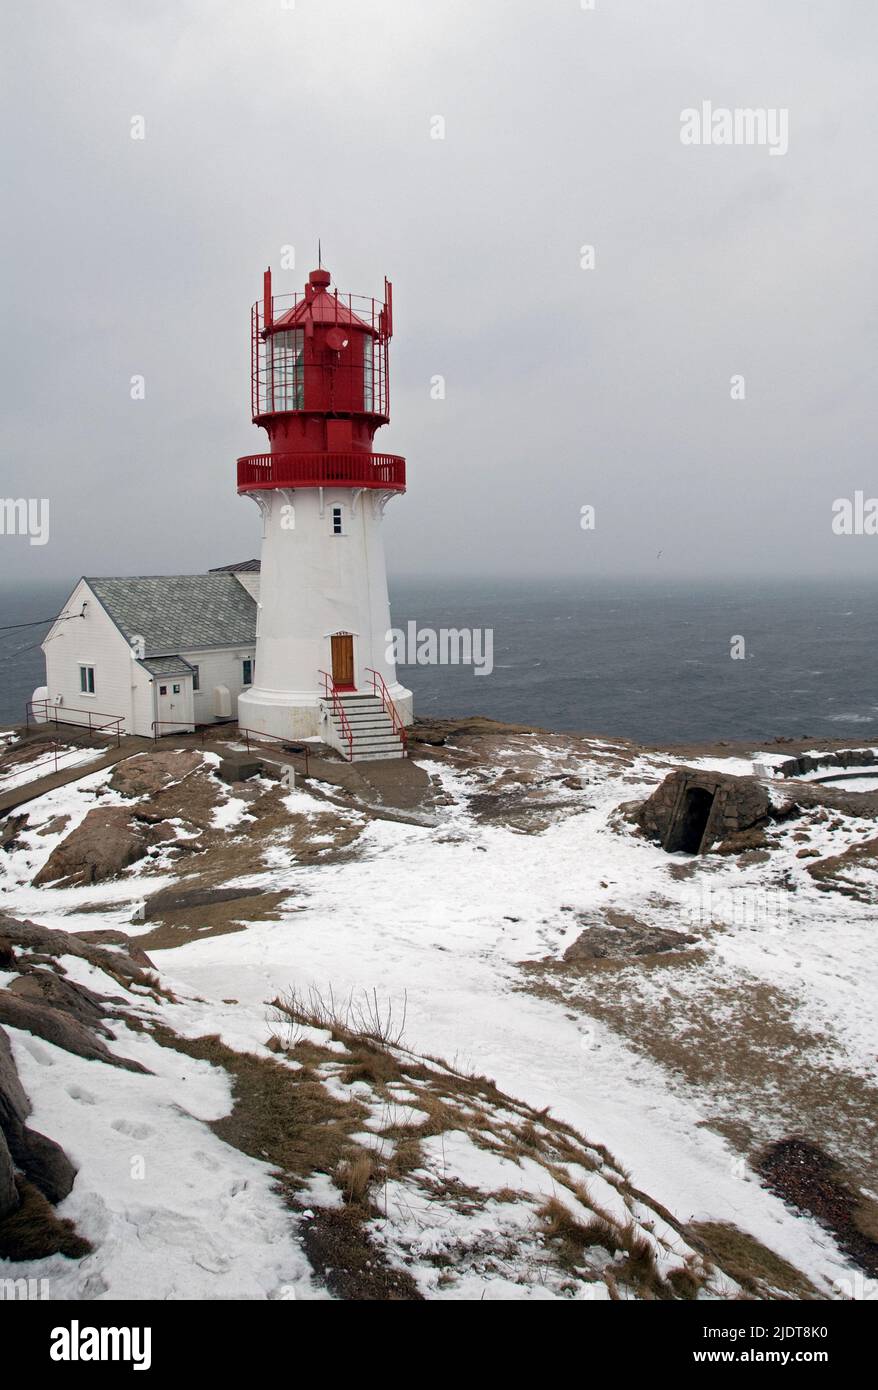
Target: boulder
[
  {"x": 104, "y": 844},
  {"x": 48, "y": 988},
  {"x": 181, "y": 900},
  {"x": 9, "y": 831},
  {"x": 8, "y": 1190},
  {"x": 41, "y": 1160},
  {"x": 52, "y": 942},
  {"x": 620, "y": 936},
  {"x": 59, "y": 1028},
  {"x": 147, "y": 773},
  {"x": 692, "y": 809},
  {"x": 14, "y": 1104}
]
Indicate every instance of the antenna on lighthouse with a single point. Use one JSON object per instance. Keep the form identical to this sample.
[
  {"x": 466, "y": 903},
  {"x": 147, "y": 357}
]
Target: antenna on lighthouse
[{"x": 319, "y": 255}]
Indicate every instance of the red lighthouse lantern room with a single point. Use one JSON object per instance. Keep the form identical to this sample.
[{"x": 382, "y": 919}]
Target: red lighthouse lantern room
[{"x": 320, "y": 389}]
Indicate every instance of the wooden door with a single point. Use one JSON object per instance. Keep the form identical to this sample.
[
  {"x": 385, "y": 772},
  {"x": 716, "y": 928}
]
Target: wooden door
[{"x": 343, "y": 661}]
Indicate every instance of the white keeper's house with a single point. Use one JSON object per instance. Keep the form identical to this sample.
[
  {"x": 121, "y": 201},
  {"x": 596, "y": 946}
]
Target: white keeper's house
[{"x": 161, "y": 653}]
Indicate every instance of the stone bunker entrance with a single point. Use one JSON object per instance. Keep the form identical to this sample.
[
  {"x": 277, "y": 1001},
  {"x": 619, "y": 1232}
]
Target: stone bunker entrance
[
  {"x": 692, "y": 809},
  {"x": 690, "y": 822}
]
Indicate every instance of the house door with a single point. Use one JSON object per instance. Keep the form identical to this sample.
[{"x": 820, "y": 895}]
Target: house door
[
  {"x": 343, "y": 661},
  {"x": 175, "y": 712}
]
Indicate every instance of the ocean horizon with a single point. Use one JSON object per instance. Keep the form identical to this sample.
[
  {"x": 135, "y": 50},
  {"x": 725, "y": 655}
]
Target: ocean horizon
[{"x": 634, "y": 658}]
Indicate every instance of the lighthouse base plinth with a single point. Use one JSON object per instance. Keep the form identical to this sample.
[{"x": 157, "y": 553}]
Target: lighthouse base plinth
[{"x": 296, "y": 714}]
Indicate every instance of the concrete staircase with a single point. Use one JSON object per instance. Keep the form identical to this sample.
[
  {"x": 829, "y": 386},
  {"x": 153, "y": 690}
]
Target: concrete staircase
[{"x": 374, "y": 736}]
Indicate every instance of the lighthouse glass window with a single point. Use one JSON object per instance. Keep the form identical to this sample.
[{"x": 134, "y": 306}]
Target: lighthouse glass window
[
  {"x": 284, "y": 371},
  {"x": 368, "y": 374}
]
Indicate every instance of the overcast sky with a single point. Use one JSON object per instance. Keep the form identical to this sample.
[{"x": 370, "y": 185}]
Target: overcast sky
[{"x": 269, "y": 124}]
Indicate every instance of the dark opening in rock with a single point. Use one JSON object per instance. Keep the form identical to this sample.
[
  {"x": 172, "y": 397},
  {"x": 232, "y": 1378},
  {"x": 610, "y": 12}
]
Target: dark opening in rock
[{"x": 688, "y": 829}]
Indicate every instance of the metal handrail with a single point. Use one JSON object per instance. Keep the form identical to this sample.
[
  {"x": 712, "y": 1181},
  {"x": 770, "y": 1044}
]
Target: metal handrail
[
  {"x": 52, "y": 758},
  {"x": 114, "y": 721},
  {"x": 259, "y": 736},
  {"x": 330, "y": 692},
  {"x": 390, "y": 708}
]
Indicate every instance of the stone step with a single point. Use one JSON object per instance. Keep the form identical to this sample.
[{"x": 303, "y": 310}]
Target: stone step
[
  {"x": 378, "y": 757},
  {"x": 372, "y": 745},
  {"x": 367, "y": 717}
]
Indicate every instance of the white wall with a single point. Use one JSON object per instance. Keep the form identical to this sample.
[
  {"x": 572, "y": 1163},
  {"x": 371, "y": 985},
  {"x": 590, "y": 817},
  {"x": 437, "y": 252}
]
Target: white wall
[
  {"x": 249, "y": 580},
  {"x": 93, "y": 640},
  {"x": 223, "y": 667},
  {"x": 315, "y": 583}
]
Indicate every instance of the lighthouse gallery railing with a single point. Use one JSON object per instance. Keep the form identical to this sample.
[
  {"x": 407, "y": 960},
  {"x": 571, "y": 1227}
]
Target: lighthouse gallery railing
[{"x": 259, "y": 471}]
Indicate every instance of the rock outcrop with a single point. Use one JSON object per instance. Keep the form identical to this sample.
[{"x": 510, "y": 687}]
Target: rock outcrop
[
  {"x": 8, "y": 1190},
  {"x": 42, "y": 1001},
  {"x": 41, "y": 1160},
  {"x": 105, "y": 843}
]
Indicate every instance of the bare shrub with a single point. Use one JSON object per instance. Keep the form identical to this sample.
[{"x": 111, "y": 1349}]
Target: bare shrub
[{"x": 361, "y": 1014}]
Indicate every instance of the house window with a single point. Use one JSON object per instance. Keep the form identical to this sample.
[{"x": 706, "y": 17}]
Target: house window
[
  {"x": 248, "y": 670},
  {"x": 337, "y": 522},
  {"x": 176, "y": 690},
  {"x": 87, "y": 680},
  {"x": 195, "y": 678},
  {"x": 163, "y": 690}
]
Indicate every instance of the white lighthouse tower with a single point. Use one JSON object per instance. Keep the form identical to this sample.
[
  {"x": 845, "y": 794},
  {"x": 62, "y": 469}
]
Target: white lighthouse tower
[{"x": 321, "y": 390}]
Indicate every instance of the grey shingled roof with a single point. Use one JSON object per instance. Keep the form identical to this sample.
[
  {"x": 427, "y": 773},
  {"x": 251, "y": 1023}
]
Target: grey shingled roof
[
  {"x": 167, "y": 666},
  {"x": 243, "y": 567},
  {"x": 179, "y": 612}
]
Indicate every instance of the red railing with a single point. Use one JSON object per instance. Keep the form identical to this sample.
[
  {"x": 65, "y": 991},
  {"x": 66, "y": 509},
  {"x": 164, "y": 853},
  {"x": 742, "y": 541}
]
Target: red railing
[
  {"x": 113, "y": 722},
  {"x": 302, "y": 375},
  {"x": 258, "y": 471},
  {"x": 379, "y": 687},
  {"x": 330, "y": 692}
]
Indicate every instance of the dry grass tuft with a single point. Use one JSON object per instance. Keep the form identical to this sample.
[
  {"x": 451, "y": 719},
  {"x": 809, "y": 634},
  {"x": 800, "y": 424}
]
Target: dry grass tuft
[
  {"x": 34, "y": 1230},
  {"x": 759, "y": 1271},
  {"x": 559, "y": 1224},
  {"x": 353, "y": 1178}
]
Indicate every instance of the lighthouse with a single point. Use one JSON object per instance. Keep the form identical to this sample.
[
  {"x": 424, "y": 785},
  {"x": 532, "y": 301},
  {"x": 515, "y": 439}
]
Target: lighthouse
[{"x": 321, "y": 390}]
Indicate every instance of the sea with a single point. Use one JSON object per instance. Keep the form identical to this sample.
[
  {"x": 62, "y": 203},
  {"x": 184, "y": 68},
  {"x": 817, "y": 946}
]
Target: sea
[{"x": 667, "y": 663}]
